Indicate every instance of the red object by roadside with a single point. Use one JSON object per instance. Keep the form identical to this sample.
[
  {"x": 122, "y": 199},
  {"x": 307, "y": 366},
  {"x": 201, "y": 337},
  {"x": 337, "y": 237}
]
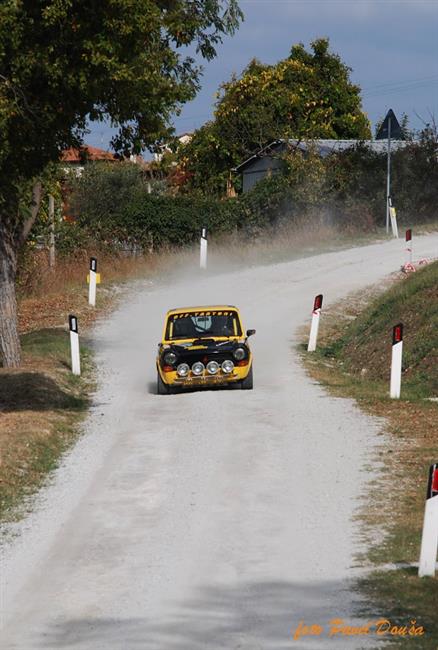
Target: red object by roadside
[{"x": 318, "y": 302}]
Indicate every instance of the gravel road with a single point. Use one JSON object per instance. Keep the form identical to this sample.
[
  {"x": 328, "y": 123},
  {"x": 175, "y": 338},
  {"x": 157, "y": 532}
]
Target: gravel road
[{"x": 207, "y": 520}]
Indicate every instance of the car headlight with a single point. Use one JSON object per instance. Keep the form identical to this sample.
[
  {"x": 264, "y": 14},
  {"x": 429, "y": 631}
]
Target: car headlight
[
  {"x": 183, "y": 369},
  {"x": 169, "y": 358},
  {"x": 198, "y": 368},
  {"x": 227, "y": 366},
  {"x": 212, "y": 367},
  {"x": 239, "y": 354}
]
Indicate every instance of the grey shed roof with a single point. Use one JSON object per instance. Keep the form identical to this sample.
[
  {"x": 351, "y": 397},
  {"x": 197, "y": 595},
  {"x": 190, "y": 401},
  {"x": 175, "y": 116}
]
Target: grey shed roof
[{"x": 324, "y": 147}]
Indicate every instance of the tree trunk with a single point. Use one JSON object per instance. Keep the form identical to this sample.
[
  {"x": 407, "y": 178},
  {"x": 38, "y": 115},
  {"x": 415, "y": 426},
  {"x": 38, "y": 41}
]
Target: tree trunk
[
  {"x": 13, "y": 235},
  {"x": 9, "y": 340}
]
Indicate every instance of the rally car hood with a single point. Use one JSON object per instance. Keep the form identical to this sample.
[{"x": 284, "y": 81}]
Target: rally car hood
[
  {"x": 206, "y": 343},
  {"x": 206, "y": 349}
]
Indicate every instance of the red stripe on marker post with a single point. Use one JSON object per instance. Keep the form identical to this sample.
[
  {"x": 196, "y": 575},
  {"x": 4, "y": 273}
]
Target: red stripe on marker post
[
  {"x": 313, "y": 336},
  {"x": 432, "y": 484},
  {"x": 317, "y": 304},
  {"x": 397, "y": 333},
  {"x": 408, "y": 246},
  {"x": 435, "y": 483},
  {"x": 429, "y": 539},
  {"x": 396, "y": 361}
]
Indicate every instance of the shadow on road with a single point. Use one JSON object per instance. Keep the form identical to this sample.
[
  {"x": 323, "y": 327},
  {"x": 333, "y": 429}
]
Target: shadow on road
[{"x": 252, "y": 616}]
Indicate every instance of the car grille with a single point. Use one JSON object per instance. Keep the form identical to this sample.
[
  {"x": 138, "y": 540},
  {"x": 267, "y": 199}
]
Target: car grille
[{"x": 205, "y": 356}]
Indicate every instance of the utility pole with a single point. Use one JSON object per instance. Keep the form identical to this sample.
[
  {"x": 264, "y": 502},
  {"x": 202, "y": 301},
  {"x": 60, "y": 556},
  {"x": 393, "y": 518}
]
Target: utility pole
[
  {"x": 389, "y": 129},
  {"x": 388, "y": 175},
  {"x": 52, "y": 254}
]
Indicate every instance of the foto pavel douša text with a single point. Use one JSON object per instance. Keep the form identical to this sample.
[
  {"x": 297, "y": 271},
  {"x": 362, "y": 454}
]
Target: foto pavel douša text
[{"x": 338, "y": 627}]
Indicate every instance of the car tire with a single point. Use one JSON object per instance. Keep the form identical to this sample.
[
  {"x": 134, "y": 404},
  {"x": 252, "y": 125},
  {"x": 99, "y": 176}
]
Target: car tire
[
  {"x": 248, "y": 382},
  {"x": 162, "y": 388}
]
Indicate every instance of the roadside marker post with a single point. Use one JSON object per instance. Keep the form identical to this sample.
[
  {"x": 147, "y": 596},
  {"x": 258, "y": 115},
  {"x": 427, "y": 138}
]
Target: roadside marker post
[
  {"x": 317, "y": 305},
  {"x": 74, "y": 345},
  {"x": 429, "y": 539},
  {"x": 203, "y": 249},
  {"x": 408, "y": 250},
  {"x": 393, "y": 216},
  {"x": 396, "y": 361},
  {"x": 92, "y": 282},
  {"x": 52, "y": 251}
]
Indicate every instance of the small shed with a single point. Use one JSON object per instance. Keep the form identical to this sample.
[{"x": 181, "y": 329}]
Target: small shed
[
  {"x": 262, "y": 164},
  {"x": 268, "y": 160}
]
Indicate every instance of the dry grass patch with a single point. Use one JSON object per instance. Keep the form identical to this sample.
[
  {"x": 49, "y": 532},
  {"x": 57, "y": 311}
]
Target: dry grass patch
[{"x": 41, "y": 405}]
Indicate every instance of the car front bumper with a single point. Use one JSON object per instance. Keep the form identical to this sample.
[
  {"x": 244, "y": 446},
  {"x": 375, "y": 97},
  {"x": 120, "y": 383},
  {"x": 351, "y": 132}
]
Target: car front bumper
[
  {"x": 191, "y": 381},
  {"x": 205, "y": 380}
]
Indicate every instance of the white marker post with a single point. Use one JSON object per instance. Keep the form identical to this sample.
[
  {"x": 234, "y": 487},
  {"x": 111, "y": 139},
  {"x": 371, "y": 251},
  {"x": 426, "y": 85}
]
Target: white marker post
[
  {"x": 396, "y": 361},
  {"x": 429, "y": 540},
  {"x": 408, "y": 249},
  {"x": 393, "y": 216},
  {"x": 317, "y": 305},
  {"x": 93, "y": 281},
  {"x": 52, "y": 252},
  {"x": 74, "y": 345},
  {"x": 203, "y": 249}
]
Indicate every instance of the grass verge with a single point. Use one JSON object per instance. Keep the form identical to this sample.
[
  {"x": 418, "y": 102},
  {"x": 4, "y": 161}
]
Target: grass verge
[
  {"x": 41, "y": 405},
  {"x": 353, "y": 360}
]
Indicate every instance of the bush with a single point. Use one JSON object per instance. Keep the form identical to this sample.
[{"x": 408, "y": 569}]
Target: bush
[{"x": 156, "y": 221}]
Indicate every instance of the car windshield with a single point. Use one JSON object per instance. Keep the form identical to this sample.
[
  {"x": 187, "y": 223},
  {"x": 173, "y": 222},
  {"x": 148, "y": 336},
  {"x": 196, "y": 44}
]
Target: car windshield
[{"x": 202, "y": 324}]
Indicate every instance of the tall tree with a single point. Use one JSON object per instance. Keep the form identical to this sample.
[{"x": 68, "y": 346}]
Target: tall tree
[
  {"x": 306, "y": 95},
  {"x": 63, "y": 62}
]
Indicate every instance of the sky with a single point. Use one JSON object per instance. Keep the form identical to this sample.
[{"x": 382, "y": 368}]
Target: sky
[{"x": 391, "y": 46}]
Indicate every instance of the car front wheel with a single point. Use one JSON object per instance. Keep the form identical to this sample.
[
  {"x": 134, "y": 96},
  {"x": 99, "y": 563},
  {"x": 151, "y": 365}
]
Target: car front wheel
[
  {"x": 162, "y": 388},
  {"x": 248, "y": 382}
]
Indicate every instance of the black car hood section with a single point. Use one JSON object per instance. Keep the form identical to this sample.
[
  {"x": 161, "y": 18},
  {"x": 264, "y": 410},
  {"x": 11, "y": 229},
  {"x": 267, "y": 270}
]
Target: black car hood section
[
  {"x": 211, "y": 350},
  {"x": 209, "y": 346}
]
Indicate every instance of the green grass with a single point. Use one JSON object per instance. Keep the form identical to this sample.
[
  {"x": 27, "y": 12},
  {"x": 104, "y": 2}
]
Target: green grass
[
  {"x": 52, "y": 342},
  {"x": 365, "y": 345},
  {"x": 402, "y": 598}
]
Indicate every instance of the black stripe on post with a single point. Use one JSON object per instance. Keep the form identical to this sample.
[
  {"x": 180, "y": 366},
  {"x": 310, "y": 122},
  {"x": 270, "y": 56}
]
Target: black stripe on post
[
  {"x": 432, "y": 483},
  {"x": 409, "y": 234},
  {"x": 204, "y": 232},
  {"x": 397, "y": 333},
  {"x": 73, "y": 323},
  {"x": 318, "y": 302},
  {"x": 93, "y": 264}
]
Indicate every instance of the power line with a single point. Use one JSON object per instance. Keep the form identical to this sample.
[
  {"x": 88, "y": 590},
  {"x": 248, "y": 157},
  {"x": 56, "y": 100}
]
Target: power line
[
  {"x": 385, "y": 84},
  {"x": 400, "y": 87}
]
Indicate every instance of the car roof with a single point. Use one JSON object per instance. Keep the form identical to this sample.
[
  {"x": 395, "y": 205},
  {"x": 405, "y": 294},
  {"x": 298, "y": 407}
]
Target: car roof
[{"x": 183, "y": 310}]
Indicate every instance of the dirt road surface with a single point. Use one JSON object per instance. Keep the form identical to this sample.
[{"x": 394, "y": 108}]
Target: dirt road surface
[{"x": 208, "y": 520}]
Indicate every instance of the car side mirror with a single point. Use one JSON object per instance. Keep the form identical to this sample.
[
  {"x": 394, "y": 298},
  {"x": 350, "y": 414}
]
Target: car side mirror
[{"x": 250, "y": 333}]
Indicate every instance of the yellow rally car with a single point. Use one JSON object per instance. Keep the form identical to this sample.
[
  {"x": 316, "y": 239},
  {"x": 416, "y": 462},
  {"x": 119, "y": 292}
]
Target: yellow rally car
[{"x": 203, "y": 346}]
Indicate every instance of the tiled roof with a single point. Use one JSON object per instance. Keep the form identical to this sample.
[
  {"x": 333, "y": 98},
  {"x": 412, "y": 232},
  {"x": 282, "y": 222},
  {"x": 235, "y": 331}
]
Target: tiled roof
[{"x": 86, "y": 153}]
